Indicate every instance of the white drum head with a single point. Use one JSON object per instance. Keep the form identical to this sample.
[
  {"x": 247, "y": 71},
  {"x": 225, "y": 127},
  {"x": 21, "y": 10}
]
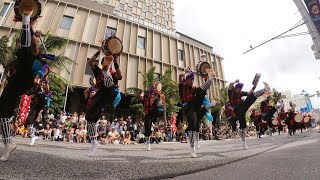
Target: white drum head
[
  {"x": 275, "y": 122},
  {"x": 298, "y": 118}
]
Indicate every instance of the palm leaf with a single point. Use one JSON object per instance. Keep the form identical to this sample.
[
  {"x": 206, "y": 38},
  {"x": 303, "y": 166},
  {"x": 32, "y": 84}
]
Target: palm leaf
[
  {"x": 61, "y": 61},
  {"x": 53, "y": 43},
  {"x": 63, "y": 81},
  {"x": 135, "y": 91}
]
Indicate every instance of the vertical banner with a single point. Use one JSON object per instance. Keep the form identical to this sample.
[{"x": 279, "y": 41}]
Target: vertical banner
[
  {"x": 24, "y": 107},
  {"x": 173, "y": 123},
  {"x": 314, "y": 11}
]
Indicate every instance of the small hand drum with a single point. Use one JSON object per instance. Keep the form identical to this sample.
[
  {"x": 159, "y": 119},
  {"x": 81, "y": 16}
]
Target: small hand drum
[
  {"x": 29, "y": 5},
  {"x": 275, "y": 121},
  {"x": 306, "y": 119},
  {"x": 112, "y": 46},
  {"x": 92, "y": 81},
  {"x": 256, "y": 79},
  {"x": 298, "y": 118},
  {"x": 201, "y": 68}
]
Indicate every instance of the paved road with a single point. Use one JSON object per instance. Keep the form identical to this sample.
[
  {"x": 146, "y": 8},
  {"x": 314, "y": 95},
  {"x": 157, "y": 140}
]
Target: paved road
[
  {"x": 296, "y": 160},
  {"x": 57, "y": 160}
]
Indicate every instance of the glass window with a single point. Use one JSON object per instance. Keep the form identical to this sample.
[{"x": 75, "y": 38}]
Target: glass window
[
  {"x": 122, "y": 6},
  {"x": 143, "y": 14},
  {"x": 154, "y": 11},
  {"x": 4, "y": 9},
  {"x": 167, "y": 16},
  {"x": 154, "y": 18},
  {"x": 180, "y": 55},
  {"x": 154, "y": 4},
  {"x": 110, "y": 32},
  {"x": 88, "y": 70},
  {"x": 135, "y": 3},
  {"x": 141, "y": 42},
  {"x": 66, "y": 22},
  {"x": 129, "y": 9},
  {"x": 157, "y": 76}
]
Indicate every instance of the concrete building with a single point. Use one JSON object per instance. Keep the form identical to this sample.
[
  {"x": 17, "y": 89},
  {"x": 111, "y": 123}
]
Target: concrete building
[{"x": 146, "y": 27}]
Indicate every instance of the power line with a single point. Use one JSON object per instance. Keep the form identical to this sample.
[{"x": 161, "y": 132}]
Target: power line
[
  {"x": 298, "y": 24},
  {"x": 279, "y": 28},
  {"x": 293, "y": 35}
]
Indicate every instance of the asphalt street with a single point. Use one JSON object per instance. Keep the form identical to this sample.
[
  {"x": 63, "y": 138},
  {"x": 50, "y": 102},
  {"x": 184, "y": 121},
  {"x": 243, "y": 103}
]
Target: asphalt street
[{"x": 284, "y": 157}]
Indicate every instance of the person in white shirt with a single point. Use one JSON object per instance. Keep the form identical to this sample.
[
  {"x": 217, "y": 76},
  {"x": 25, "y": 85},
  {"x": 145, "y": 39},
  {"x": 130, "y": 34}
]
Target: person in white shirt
[{"x": 113, "y": 136}]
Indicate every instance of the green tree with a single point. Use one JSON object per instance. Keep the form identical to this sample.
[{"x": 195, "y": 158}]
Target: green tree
[
  {"x": 171, "y": 91},
  {"x": 57, "y": 88},
  {"x": 221, "y": 101},
  {"x": 7, "y": 60},
  {"x": 52, "y": 44}
]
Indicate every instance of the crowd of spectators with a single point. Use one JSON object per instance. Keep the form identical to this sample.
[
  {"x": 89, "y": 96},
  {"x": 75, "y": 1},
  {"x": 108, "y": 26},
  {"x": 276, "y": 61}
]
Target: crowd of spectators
[{"x": 73, "y": 128}]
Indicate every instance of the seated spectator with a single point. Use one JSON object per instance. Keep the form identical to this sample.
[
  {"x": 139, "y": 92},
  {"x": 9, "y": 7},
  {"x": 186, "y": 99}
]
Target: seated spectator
[
  {"x": 127, "y": 138},
  {"x": 81, "y": 134},
  {"x": 72, "y": 134},
  {"x": 159, "y": 135},
  {"x": 113, "y": 136},
  {"x": 47, "y": 132},
  {"x": 82, "y": 119},
  {"x": 57, "y": 134},
  {"x": 25, "y": 132},
  {"x": 16, "y": 127},
  {"x": 102, "y": 131},
  {"x": 141, "y": 138},
  {"x": 153, "y": 138},
  {"x": 20, "y": 130}
]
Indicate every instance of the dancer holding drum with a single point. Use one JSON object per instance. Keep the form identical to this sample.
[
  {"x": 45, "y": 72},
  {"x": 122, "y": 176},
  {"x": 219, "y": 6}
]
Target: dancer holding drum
[
  {"x": 291, "y": 118},
  {"x": 22, "y": 80},
  {"x": 239, "y": 106},
  {"x": 268, "y": 109},
  {"x": 192, "y": 99},
  {"x": 152, "y": 101},
  {"x": 107, "y": 91}
]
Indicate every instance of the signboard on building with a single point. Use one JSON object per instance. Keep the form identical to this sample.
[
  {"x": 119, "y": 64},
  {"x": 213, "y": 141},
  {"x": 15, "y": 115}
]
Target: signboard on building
[{"x": 314, "y": 11}]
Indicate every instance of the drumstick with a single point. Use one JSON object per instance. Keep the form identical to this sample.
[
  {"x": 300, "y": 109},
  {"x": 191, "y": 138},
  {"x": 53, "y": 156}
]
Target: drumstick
[{"x": 44, "y": 46}]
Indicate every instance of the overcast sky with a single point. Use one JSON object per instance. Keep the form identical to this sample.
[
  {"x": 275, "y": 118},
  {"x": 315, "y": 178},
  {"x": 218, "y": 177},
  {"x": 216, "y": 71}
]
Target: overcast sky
[{"x": 230, "y": 27}]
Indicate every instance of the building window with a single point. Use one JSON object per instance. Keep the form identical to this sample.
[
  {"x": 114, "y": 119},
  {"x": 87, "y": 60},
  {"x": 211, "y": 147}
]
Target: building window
[
  {"x": 166, "y": 23},
  {"x": 167, "y": 16},
  {"x": 180, "y": 55},
  {"x": 143, "y": 14},
  {"x": 129, "y": 9},
  {"x": 154, "y": 4},
  {"x": 135, "y": 3},
  {"x": 110, "y": 32},
  {"x": 121, "y": 6},
  {"x": 154, "y": 11},
  {"x": 154, "y": 18},
  {"x": 4, "y": 9},
  {"x": 88, "y": 70},
  {"x": 141, "y": 42},
  {"x": 66, "y": 22},
  {"x": 157, "y": 76}
]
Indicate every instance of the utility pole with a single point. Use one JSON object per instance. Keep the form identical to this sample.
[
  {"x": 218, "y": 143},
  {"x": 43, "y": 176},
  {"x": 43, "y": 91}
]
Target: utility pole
[{"x": 311, "y": 27}]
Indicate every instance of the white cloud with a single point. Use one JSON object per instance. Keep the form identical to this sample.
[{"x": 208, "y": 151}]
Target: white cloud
[{"x": 232, "y": 26}]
